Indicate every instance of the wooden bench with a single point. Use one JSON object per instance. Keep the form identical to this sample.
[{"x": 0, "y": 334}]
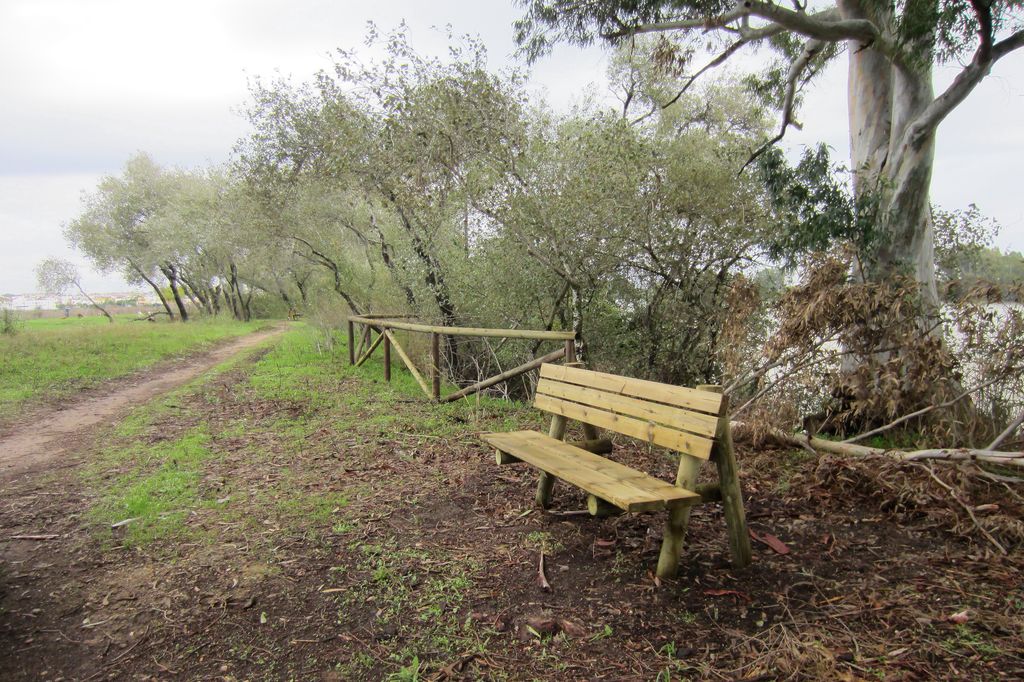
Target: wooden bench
[{"x": 692, "y": 422}]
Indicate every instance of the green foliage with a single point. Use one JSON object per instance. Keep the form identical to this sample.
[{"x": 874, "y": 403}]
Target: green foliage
[
  {"x": 192, "y": 237},
  {"x": 813, "y": 205},
  {"x": 409, "y": 673},
  {"x": 431, "y": 188},
  {"x": 943, "y": 31},
  {"x": 961, "y": 238},
  {"x": 894, "y": 113},
  {"x": 56, "y": 276},
  {"x": 1001, "y": 267}
]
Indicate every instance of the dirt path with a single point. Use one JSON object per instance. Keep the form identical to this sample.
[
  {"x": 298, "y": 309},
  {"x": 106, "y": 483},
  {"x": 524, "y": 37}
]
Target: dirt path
[{"x": 48, "y": 434}]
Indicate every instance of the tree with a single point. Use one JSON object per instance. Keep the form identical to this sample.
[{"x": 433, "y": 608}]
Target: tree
[
  {"x": 112, "y": 230},
  {"x": 643, "y": 223},
  {"x": 405, "y": 143},
  {"x": 56, "y": 276},
  {"x": 894, "y": 112}
]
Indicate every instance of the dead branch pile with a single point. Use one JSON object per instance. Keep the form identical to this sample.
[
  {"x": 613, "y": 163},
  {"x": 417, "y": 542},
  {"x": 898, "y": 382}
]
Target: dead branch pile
[
  {"x": 858, "y": 359},
  {"x": 956, "y": 498}
]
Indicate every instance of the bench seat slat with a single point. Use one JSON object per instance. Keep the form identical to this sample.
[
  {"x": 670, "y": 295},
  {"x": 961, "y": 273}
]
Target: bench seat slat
[
  {"x": 689, "y": 398},
  {"x": 674, "y": 417},
  {"x": 626, "y": 488},
  {"x": 648, "y": 432}
]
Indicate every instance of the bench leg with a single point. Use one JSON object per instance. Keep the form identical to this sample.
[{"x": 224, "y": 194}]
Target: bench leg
[
  {"x": 544, "y": 487},
  {"x": 601, "y": 508},
  {"x": 672, "y": 543},
  {"x": 686, "y": 478},
  {"x": 732, "y": 502},
  {"x": 547, "y": 482}
]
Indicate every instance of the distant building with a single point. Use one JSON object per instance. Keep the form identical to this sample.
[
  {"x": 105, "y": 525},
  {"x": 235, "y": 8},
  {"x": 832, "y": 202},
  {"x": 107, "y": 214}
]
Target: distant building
[{"x": 53, "y": 302}]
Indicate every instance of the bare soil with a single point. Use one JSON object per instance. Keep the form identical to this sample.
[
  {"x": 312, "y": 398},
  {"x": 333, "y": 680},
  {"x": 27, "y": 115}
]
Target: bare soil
[{"x": 431, "y": 564}]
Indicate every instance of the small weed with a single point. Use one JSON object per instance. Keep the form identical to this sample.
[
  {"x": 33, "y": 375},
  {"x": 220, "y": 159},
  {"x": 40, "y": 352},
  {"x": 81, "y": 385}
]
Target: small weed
[
  {"x": 409, "y": 673},
  {"x": 620, "y": 566},
  {"x": 672, "y": 664},
  {"x": 687, "y": 617},
  {"x": 9, "y": 322},
  {"x": 542, "y": 541},
  {"x": 967, "y": 638}
]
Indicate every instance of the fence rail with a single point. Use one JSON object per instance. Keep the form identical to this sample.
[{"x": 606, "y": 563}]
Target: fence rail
[{"x": 383, "y": 326}]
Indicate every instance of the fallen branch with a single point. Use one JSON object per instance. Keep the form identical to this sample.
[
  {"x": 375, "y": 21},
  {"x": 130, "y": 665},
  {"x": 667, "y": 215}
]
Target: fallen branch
[
  {"x": 149, "y": 318},
  {"x": 1014, "y": 459},
  {"x": 33, "y": 537},
  {"x": 541, "y": 578},
  {"x": 1008, "y": 432},
  {"x": 970, "y": 512}
]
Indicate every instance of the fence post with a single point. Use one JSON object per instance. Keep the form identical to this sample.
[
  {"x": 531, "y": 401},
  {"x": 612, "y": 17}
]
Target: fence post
[
  {"x": 351, "y": 342},
  {"x": 387, "y": 356},
  {"x": 435, "y": 364}
]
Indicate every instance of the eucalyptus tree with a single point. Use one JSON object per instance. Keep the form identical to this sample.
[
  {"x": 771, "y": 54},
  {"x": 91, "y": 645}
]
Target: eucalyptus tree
[{"x": 891, "y": 48}]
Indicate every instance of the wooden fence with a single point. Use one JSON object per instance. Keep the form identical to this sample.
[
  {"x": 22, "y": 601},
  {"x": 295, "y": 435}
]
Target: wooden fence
[{"x": 378, "y": 330}]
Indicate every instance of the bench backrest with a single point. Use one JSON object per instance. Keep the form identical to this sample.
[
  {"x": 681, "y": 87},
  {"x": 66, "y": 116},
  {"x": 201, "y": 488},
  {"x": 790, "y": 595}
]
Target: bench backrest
[{"x": 681, "y": 419}]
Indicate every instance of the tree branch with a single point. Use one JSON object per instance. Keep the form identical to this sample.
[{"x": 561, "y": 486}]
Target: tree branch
[
  {"x": 1014, "y": 459},
  {"x": 956, "y": 498},
  {"x": 983, "y": 12},
  {"x": 821, "y": 25},
  {"x": 720, "y": 59},
  {"x": 965, "y": 82},
  {"x": 94, "y": 303},
  {"x": 1007, "y": 432},
  {"x": 923, "y": 411},
  {"x": 812, "y": 48}
]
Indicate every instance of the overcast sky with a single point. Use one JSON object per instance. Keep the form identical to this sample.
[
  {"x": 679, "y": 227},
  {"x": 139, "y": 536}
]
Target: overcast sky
[{"x": 87, "y": 83}]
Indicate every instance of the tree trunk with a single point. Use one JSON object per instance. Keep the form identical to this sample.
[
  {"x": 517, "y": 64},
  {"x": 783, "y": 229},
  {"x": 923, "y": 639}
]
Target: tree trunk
[
  {"x": 159, "y": 293},
  {"x": 892, "y": 177},
  {"x": 242, "y": 314},
  {"x": 889, "y": 175},
  {"x": 300, "y": 284},
  {"x": 97, "y": 306},
  {"x": 576, "y": 307},
  {"x": 200, "y": 295},
  {"x": 215, "y": 299},
  {"x": 229, "y": 296},
  {"x": 172, "y": 279}
]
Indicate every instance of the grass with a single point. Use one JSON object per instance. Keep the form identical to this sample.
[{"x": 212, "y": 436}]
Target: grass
[
  {"x": 157, "y": 491},
  {"x": 54, "y": 358},
  {"x": 336, "y": 523},
  {"x": 175, "y": 468}
]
